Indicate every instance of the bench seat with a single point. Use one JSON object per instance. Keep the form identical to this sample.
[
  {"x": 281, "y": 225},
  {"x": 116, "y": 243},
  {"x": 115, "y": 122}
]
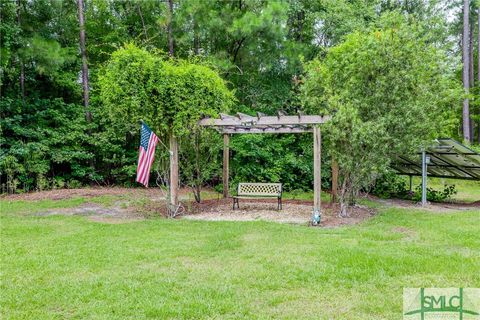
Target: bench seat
[{"x": 258, "y": 191}]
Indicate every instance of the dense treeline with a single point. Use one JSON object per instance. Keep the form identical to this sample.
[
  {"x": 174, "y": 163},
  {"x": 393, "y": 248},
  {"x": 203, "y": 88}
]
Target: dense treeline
[{"x": 53, "y": 137}]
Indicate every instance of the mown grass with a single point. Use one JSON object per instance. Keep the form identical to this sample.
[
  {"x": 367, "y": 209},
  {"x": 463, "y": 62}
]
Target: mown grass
[{"x": 61, "y": 267}]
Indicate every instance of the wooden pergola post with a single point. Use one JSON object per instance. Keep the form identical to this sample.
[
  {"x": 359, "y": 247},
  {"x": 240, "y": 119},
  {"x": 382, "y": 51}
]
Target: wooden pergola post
[
  {"x": 317, "y": 181},
  {"x": 226, "y": 158},
  {"x": 173, "y": 170}
]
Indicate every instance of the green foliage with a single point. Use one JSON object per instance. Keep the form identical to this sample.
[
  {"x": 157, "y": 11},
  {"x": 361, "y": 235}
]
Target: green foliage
[
  {"x": 388, "y": 89},
  {"x": 48, "y": 55},
  {"x": 37, "y": 141},
  {"x": 201, "y": 160},
  {"x": 391, "y": 185},
  {"x": 435, "y": 195},
  {"x": 256, "y": 47},
  {"x": 170, "y": 96},
  {"x": 264, "y": 158}
]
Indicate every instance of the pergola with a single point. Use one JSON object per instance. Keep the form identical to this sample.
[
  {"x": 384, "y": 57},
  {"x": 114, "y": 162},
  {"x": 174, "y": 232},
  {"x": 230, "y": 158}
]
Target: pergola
[{"x": 281, "y": 123}]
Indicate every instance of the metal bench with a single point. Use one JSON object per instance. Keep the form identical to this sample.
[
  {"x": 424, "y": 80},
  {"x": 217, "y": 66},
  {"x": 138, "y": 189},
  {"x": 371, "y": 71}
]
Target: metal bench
[{"x": 258, "y": 191}]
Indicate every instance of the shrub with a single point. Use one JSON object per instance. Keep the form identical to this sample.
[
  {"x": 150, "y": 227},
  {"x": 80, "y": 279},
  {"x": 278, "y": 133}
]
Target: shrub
[
  {"x": 435, "y": 195},
  {"x": 390, "y": 185}
]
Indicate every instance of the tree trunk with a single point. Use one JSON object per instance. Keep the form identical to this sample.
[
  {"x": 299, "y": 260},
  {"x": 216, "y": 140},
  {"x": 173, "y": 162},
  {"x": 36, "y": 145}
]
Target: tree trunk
[
  {"x": 20, "y": 60},
  {"x": 466, "y": 67},
  {"x": 478, "y": 66},
  {"x": 334, "y": 180},
  {"x": 170, "y": 28},
  {"x": 196, "y": 40},
  {"x": 471, "y": 74},
  {"x": 143, "y": 21},
  {"x": 83, "y": 52},
  {"x": 343, "y": 198}
]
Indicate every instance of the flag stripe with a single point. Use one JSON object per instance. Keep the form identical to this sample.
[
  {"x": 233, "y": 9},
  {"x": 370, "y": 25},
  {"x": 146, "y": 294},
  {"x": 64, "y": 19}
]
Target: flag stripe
[
  {"x": 148, "y": 143},
  {"x": 148, "y": 162},
  {"x": 139, "y": 162}
]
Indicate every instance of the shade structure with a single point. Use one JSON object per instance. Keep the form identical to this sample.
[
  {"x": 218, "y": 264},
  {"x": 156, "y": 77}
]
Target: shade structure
[
  {"x": 447, "y": 159},
  {"x": 281, "y": 123}
]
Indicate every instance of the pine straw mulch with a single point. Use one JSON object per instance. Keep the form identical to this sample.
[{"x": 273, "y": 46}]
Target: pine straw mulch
[{"x": 294, "y": 211}]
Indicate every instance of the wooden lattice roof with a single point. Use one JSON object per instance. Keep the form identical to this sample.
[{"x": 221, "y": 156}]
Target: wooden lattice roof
[{"x": 281, "y": 123}]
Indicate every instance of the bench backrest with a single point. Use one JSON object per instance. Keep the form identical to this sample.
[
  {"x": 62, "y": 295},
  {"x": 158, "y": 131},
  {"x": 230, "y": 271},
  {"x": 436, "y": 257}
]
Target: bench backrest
[{"x": 260, "y": 189}]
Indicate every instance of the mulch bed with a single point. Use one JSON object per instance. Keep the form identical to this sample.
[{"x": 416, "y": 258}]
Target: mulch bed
[{"x": 294, "y": 211}]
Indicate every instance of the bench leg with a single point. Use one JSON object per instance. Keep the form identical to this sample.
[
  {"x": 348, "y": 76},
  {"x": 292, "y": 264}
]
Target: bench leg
[{"x": 279, "y": 204}]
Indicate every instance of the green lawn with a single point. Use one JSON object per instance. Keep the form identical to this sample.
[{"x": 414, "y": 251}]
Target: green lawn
[{"x": 70, "y": 267}]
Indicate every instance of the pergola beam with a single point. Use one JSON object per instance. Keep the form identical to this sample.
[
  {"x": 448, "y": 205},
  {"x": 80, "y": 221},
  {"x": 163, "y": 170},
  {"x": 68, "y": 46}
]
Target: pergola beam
[
  {"x": 246, "y": 121},
  {"x": 265, "y": 130}
]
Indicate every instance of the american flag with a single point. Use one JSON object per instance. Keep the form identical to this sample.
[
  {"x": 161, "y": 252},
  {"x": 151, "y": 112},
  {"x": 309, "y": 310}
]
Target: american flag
[{"x": 146, "y": 154}]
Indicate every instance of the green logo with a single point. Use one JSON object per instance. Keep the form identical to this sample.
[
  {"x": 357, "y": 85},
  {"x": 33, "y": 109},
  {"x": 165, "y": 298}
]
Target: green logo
[{"x": 441, "y": 303}]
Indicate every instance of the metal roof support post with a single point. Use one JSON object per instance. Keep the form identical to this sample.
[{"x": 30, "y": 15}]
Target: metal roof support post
[{"x": 424, "y": 178}]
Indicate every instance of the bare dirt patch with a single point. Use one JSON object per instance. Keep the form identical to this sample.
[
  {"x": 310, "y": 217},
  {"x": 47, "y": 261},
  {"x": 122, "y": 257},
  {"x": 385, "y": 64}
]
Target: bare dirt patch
[
  {"x": 98, "y": 213},
  {"x": 60, "y": 194},
  {"x": 294, "y": 211}
]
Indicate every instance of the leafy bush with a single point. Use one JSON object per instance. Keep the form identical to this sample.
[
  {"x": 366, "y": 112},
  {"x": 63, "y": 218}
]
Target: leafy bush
[
  {"x": 435, "y": 195},
  {"x": 40, "y": 139},
  {"x": 387, "y": 89},
  {"x": 390, "y": 185},
  {"x": 171, "y": 96}
]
